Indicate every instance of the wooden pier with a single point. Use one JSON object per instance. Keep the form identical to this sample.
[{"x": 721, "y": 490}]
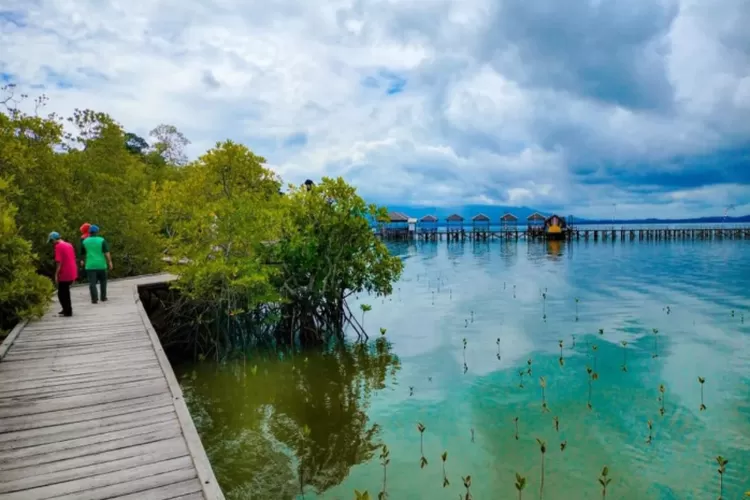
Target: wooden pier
[
  {"x": 582, "y": 233},
  {"x": 90, "y": 408}
]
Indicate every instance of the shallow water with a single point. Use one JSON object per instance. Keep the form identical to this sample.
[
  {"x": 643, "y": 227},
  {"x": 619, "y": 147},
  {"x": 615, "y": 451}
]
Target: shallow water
[{"x": 325, "y": 414}]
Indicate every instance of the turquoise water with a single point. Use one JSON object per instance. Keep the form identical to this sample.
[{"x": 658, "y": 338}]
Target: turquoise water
[{"x": 324, "y": 414}]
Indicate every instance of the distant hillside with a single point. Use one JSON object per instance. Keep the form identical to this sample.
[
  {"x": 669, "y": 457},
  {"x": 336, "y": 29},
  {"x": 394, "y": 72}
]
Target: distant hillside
[{"x": 494, "y": 212}]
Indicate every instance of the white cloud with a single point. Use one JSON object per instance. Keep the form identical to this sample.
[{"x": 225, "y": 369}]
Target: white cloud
[{"x": 513, "y": 110}]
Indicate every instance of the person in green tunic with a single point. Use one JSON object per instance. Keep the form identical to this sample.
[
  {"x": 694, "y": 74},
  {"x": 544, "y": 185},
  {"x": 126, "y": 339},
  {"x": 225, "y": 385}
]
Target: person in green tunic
[{"x": 96, "y": 260}]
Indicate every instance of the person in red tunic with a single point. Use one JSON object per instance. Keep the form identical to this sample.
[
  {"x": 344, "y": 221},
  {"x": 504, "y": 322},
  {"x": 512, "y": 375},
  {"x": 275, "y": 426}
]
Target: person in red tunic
[{"x": 66, "y": 271}]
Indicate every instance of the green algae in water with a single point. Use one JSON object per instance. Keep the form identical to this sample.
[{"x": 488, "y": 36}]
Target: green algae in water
[{"x": 276, "y": 427}]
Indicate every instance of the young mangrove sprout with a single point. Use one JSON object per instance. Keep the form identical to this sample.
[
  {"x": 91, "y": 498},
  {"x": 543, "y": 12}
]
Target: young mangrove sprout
[
  {"x": 528, "y": 370},
  {"x": 365, "y": 308},
  {"x": 411, "y": 390},
  {"x": 650, "y": 431},
  {"x": 467, "y": 485},
  {"x": 361, "y": 495},
  {"x": 444, "y": 457},
  {"x": 561, "y": 360},
  {"x": 472, "y": 316},
  {"x": 514, "y": 291},
  {"x": 577, "y": 308},
  {"x": 656, "y": 343},
  {"x": 422, "y": 461},
  {"x": 574, "y": 341},
  {"x": 384, "y": 461},
  {"x": 563, "y": 445},
  {"x": 604, "y": 481},
  {"x": 722, "y": 469},
  {"x": 520, "y": 485},
  {"x": 624, "y": 345},
  {"x": 662, "y": 389},
  {"x": 594, "y": 348},
  {"x": 601, "y": 331},
  {"x": 556, "y": 420},
  {"x": 733, "y": 313},
  {"x": 466, "y": 323},
  {"x": 515, "y": 420},
  {"x": 542, "y": 450},
  {"x": 543, "y": 384},
  {"x": 591, "y": 374},
  {"x": 382, "y": 331},
  {"x": 520, "y": 374},
  {"x": 702, "y": 381},
  {"x": 544, "y": 305},
  {"x": 498, "y": 348}
]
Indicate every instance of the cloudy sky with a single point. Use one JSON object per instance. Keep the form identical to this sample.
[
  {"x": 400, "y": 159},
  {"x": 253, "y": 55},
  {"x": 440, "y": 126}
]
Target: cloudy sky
[{"x": 572, "y": 105}]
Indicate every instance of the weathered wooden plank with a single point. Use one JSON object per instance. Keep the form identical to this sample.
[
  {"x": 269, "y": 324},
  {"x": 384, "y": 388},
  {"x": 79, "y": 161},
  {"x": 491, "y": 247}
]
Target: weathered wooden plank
[
  {"x": 128, "y": 480},
  {"x": 17, "y": 409},
  {"x": 184, "y": 490},
  {"x": 75, "y": 360},
  {"x": 82, "y": 389},
  {"x": 78, "y": 347},
  {"x": 11, "y": 338},
  {"x": 8, "y": 388},
  {"x": 37, "y": 455},
  {"x": 93, "y": 458},
  {"x": 62, "y": 432},
  {"x": 82, "y": 414},
  {"x": 17, "y": 375},
  {"x": 41, "y": 477}
]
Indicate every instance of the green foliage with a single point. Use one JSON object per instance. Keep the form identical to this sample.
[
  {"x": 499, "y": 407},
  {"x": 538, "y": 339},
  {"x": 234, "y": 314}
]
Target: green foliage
[{"x": 23, "y": 293}]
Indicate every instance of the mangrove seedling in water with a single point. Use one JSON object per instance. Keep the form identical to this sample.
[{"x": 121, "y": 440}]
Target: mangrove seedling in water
[
  {"x": 520, "y": 374},
  {"x": 365, "y": 308},
  {"x": 604, "y": 481},
  {"x": 528, "y": 370},
  {"x": 542, "y": 450},
  {"x": 624, "y": 345},
  {"x": 498, "y": 348},
  {"x": 361, "y": 495},
  {"x": 514, "y": 291},
  {"x": 722, "y": 469},
  {"x": 561, "y": 360},
  {"x": 472, "y": 316},
  {"x": 574, "y": 341},
  {"x": 444, "y": 457},
  {"x": 382, "y": 331},
  {"x": 601, "y": 331},
  {"x": 384, "y": 461},
  {"x": 662, "y": 389},
  {"x": 556, "y": 420},
  {"x": 515, "y": 420},
  {"x": 467, "y": 485},
  {"x": 656, "y": 343},
  {"x": 520, "y": 485},
  {"x": 594, "y": 348},
  {"x": 576, "y": 308},
  {"x": 563, "y": 445},
  {"x": 650, "y": 429},
  {"x": 411, "y": 390},
  {"x": 702, "y": 381},
  {"x": 591, "y": 375},
  {"x": 422, "y": 461},
  {"x": 544, "y": 306},
  {"x": 543, "y": 384}
]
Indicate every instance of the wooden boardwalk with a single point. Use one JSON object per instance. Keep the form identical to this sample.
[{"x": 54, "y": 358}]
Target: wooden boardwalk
[{"x": 90, "y": 408}]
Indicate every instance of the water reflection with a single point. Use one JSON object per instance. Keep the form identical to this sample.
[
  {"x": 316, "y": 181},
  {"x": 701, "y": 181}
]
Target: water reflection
[{"x": 281, "y": 427}]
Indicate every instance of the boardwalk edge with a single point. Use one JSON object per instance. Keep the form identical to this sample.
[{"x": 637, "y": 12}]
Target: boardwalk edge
[
  {"x": 8, "y": 342},
  {"x": 210, "y": 485}
]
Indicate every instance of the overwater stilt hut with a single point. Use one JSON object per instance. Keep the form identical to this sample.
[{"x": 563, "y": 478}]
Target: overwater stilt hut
[
  {"x": 554, "y": 227},
  {"x": 509, "y": 223},
  {"x": 427, "y": 227},
  {"x": 535, "y": 224},
  {"x": 397, "y": 226},
  {"x": 480, "y": 226},
  {"x": 454, "y": 226}
]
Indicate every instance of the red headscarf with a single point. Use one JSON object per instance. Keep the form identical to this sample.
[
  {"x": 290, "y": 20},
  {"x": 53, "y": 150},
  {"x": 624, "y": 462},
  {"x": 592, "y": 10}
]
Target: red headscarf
[{"x": 85, "y": 230}]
